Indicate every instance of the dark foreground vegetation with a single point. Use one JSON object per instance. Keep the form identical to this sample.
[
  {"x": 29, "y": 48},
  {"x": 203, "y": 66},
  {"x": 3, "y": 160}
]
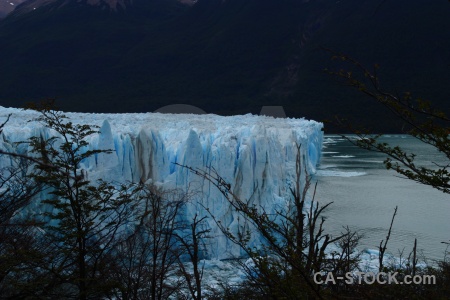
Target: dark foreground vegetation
[{"x": 65, "y": 237}]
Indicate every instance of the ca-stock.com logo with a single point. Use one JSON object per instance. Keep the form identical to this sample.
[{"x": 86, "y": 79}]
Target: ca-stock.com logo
[{"x": 270, "y": 111}]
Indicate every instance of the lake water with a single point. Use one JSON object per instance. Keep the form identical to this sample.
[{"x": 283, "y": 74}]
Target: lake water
[{"x": 365, "y": 195}]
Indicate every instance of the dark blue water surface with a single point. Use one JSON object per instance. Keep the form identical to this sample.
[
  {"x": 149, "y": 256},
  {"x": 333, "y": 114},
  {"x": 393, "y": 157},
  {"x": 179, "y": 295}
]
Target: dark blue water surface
[{"x": 365, "y": 195}]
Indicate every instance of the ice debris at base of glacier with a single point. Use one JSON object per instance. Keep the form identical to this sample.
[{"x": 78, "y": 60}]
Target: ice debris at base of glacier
[{"x": 255, "y": 154}]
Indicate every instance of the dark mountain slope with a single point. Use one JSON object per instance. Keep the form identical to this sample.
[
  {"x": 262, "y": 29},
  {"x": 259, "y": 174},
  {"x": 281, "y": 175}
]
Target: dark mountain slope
[
  {"x": 409, "y": 40},
  {"x": 223, "y": 56}
]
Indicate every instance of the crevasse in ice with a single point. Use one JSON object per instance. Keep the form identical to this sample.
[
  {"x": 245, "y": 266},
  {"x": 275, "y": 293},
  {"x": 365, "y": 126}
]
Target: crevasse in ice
[{"x": 255, "y": 154}]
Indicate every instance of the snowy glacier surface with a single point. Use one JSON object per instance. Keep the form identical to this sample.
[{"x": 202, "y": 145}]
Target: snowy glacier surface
[{"x": 255, "y": 154}]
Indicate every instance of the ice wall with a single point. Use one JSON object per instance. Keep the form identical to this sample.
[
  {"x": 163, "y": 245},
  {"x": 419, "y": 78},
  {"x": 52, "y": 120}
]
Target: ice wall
[{"x": 255, "y": 154}]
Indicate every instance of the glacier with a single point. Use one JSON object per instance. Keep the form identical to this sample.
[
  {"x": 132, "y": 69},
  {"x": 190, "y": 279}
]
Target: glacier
[{"x": 255, "y": 154}]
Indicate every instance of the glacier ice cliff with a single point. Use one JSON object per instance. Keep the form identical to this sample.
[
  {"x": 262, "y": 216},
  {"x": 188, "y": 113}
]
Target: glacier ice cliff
[{"x": 255, "y": 154}]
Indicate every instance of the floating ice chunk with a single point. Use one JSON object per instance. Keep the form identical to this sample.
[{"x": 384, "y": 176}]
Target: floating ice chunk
[{"x": 330, "y": 173}]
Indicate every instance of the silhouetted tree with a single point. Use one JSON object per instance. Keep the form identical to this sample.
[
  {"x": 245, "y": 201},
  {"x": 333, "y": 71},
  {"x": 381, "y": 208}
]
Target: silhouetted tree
[
  {"x": 18, "y": 246},
  {"x": 294, "y": 242},
  {"x": 82, "y": 220},
  {"x": 146, "y": 261},
  {"x": 419, "y": 119},
  {"x": 193, "y": 245}
]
